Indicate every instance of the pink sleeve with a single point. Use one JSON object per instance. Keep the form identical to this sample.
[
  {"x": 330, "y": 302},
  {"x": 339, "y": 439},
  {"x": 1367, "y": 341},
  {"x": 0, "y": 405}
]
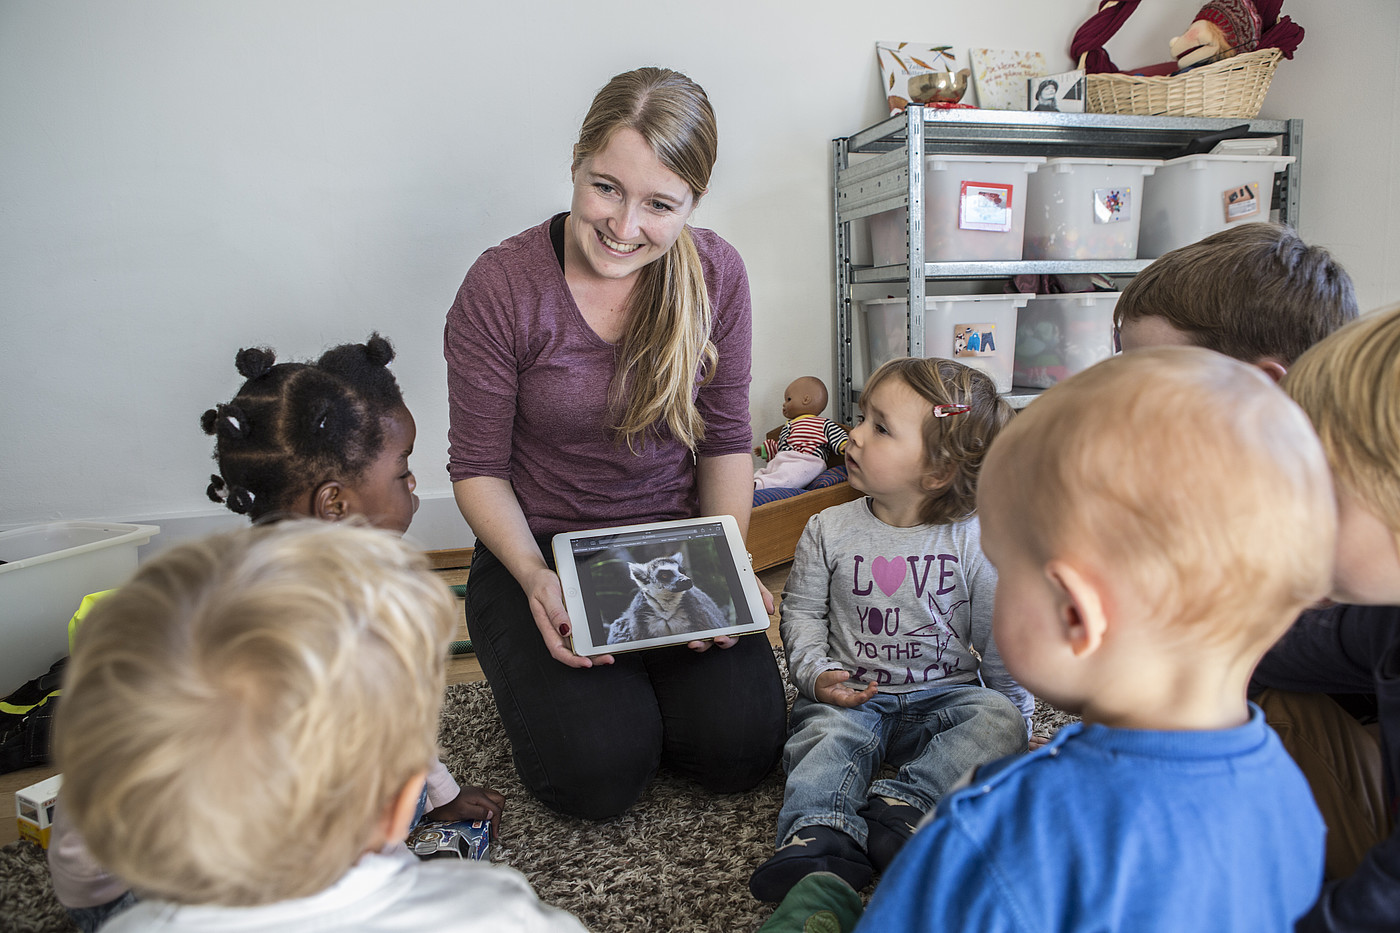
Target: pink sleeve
[
  {"x": 78, "y": 880},
  {"x": 442, "y": 788}
]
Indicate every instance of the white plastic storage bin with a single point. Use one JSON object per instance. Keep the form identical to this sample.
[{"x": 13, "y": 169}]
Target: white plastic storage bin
[
  {"x": 48, "y": 569},
  {"x": 1080, "y": 208},
  {"x": 1060, "y": 335},
  {"x": 974, "y": 210},
  {"x": 977, "y": 330},
  {"x": 1197, "y": 195}
]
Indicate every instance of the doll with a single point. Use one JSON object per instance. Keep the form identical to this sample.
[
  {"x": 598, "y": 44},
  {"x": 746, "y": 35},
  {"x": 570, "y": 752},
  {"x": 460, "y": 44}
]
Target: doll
[
  {"x": 1222, "y": 28},
  {"x": 799, "y": 454}
]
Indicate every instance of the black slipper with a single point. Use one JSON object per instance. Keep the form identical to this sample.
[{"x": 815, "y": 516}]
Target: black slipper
[{"x": 811, "y": 849}]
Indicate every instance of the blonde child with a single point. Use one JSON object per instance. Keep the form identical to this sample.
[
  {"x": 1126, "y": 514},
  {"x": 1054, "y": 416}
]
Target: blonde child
[
  {"x": 886, "y": 621},
  {"x": 243, "y": 736},
  {"x": 1156, "y": 522},
  {"x": 1349, "y": 385},
  {"x": 327, "y": 439}
]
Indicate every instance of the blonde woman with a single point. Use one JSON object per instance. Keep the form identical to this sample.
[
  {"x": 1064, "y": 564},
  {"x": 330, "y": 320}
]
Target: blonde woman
[{"x": 598, "y": 373}]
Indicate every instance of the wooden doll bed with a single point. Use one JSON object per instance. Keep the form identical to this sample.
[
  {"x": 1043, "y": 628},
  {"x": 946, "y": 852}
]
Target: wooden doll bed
[{"x": 774, "y": 527}]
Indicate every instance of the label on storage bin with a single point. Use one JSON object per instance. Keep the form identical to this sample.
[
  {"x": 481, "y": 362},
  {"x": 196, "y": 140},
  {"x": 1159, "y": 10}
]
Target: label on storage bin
[
  {"x": 985, "y": 206},
  {"x": 1241, "y": 202},
  {"x": 974, "y": 340},
  {"x": 1112, "y": 205}
]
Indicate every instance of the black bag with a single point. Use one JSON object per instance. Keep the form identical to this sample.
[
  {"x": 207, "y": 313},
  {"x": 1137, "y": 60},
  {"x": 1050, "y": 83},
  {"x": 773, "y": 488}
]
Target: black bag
[{"x": 26, "y": 721}]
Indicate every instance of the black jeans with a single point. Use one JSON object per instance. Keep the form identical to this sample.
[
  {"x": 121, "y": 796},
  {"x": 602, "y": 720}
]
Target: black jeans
[{"x": 587, "y": 742}]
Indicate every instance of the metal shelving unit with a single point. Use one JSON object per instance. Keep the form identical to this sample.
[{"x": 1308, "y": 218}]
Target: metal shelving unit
[{"x": 893, "y": 178}]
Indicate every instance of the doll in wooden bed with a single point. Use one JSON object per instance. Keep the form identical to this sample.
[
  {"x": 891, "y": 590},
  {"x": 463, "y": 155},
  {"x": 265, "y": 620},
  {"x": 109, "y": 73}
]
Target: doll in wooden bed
[{"x": 799, "y": 453}]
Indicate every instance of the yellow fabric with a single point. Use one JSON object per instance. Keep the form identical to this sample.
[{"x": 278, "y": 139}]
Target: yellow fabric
[{"x": 84, "y": 608}]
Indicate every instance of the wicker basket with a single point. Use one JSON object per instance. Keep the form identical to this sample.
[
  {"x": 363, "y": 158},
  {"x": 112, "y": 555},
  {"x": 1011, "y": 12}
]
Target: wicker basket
[{"x": 1234, "y": 87}]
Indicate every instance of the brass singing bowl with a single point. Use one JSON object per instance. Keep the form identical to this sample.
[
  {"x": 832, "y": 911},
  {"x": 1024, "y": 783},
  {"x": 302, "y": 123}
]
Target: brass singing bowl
[{"x": 943, "y": 86}]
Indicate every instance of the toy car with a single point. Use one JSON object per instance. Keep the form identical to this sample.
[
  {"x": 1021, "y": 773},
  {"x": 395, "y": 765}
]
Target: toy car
[{"x": 461, "y": 839}]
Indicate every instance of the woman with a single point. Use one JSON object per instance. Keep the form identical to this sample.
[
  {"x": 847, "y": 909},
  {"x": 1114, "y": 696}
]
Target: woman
[{"x": 598, "y": 373}]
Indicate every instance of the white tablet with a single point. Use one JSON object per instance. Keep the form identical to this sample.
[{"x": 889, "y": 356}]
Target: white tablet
[{"x": 662, "y": 583}]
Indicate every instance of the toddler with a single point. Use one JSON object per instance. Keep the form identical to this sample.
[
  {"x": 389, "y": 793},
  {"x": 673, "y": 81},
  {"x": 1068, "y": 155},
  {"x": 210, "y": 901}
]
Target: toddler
[
  {"x": 799, "y": 454},
  {"x": 1349, "y": 385},
  {"x": 1254, "y": 291},
  {"x": 886, "y": 621},
  {"x": 1156, "y": 522},
  {"x": 243, "y": 736},
  {"x": 328, "y": 440}
]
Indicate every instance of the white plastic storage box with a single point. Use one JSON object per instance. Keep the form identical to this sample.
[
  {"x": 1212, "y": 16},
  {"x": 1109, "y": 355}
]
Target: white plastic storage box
[
  {"x": 977, "y": 330},
  {"x": 974, "y": 210},
  {"x": 47, "y": 571},
  {"x": 1079, "y": 208},
  {"x": 1197, "y": 195},
  {"x": 1060, "y": 335}
]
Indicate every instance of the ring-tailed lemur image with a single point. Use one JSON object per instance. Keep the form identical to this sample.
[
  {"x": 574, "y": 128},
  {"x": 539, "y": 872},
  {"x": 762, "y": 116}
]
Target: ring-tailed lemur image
[{"x": 667, "y": 603}]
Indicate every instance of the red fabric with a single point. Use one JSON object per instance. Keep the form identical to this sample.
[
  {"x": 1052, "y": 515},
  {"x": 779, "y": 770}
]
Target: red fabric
[
  {"x": 1277, "y": 32},
  {"x": 1097, "y": 30},
  {"x": 1285, "y": 35}
]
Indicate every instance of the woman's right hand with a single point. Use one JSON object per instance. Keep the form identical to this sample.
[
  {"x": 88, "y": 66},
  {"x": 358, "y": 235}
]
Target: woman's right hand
[{"x": 546, "y": 598}]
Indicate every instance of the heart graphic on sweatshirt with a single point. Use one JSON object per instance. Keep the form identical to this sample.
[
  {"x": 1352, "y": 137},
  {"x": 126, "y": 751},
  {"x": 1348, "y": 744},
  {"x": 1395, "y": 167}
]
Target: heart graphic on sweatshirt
[{"x": 888, "y": 574}]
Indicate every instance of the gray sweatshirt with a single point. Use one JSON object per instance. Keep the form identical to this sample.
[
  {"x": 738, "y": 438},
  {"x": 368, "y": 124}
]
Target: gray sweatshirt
[{"x": 903, "y": 607}]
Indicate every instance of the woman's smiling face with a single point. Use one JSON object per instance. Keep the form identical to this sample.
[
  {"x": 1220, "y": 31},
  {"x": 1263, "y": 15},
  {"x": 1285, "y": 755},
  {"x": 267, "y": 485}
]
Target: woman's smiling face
[{"x": 627, "y": 208}]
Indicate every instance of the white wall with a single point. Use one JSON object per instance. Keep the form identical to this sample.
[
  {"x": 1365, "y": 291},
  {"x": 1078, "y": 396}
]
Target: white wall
[{"x": 180, "y": 180}]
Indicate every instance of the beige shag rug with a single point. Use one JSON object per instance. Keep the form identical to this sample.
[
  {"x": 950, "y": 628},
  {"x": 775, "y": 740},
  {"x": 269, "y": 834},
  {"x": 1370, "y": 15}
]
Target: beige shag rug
[{"x": 679, "y": 860}]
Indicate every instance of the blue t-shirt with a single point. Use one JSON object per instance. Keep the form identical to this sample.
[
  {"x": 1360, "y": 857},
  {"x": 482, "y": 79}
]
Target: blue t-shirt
[{"x": 1116, "y": 829}]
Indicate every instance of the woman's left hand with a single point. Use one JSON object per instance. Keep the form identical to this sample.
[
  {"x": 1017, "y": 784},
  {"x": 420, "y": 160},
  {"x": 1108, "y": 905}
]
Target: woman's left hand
[{"x": 727, "y": 641}]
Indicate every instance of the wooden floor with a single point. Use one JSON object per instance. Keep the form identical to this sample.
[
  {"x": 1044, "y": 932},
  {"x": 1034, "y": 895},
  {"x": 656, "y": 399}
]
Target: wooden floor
[{"x": 460, "y": 670}]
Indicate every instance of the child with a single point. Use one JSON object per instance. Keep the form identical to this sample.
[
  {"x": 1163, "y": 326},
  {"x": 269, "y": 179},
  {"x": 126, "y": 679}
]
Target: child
[
  {"x": 1156, "y": 522},
  {"x": 1254, "y": 291},
  {"x": 886, "y": 621},
  {"x": 327, "y": 440},
  {"x": 799, "y": 454},
  {"x": 243, "y": 735},
  {"x": 1349, "y": 385}
]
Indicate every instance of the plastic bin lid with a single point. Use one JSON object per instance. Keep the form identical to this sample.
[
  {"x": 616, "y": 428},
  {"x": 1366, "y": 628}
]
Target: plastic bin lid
[
  {"x": 1019, "y": 298},
  {"x": 1031, "y": 162},
  {"x": 94, "y": 535},
  {"x": 1204, "y": 157},
  {"x": 1081, "y": 298},
  {"x": 1065, "y": 163}
]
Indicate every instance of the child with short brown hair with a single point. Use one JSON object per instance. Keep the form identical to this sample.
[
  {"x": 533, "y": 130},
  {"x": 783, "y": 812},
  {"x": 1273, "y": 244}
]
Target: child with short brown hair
[
  {"x": 242, "y": 734},
  {"x": 1254, "y": 291}
]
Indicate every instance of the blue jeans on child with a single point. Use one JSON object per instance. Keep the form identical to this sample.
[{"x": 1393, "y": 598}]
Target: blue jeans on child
[{"x": 932, "y": 736}]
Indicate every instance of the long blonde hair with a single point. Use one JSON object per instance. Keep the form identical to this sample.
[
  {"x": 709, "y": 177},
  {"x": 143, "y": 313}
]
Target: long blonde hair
[{"x": 667, "y": 341}]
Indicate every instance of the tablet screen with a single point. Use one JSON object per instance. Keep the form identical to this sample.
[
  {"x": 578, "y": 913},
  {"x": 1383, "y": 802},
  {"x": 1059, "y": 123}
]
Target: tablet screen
[{"x": 663, "y": 583}]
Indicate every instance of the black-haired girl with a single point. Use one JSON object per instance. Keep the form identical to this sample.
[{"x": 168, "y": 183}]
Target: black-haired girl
[{"x": 328, "y": 439}]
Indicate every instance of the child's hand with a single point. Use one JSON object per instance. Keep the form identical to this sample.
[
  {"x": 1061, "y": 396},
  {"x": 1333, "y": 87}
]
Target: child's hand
[
  {"x": 1039, "y": 741},
  {"x": 471, "y": 803},
  {"x": 831, "y": 688}
]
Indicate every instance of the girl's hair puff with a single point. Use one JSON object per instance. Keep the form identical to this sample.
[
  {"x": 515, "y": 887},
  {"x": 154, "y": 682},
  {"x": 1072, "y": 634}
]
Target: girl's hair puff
[
  {"x": 293, "y": 426},
  {"x": 954, "y": 445}
]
